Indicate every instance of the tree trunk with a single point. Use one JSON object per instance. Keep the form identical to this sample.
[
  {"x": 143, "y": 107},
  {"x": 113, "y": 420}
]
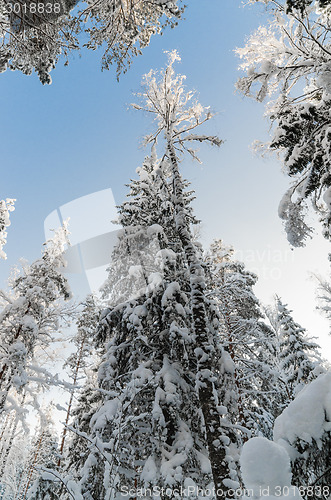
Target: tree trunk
[
  {"x": 5, "y": 367},
  {"x": 204, "y": 351},
  {"x": 31, "y": 469},
  {"x": 79, "y": 359},
  {"x": 228, "y": 324},
  {"x": 8, "y": 448}
]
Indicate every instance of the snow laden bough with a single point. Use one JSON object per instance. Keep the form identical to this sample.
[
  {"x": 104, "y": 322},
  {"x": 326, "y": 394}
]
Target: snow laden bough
[
  {"x": 291, "y": 58},
  {"x": 303, "y": 429},
  {"x": 29, "y": 319},
  {"x": 36, "y": 34}
]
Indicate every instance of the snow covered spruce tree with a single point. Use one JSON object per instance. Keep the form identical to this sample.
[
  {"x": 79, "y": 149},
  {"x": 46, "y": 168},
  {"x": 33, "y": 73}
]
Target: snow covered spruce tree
[
  {"x": 6, "y": 206},
  {"x": 177, "y": 118},
  {"x": 151, "y": 420},
  {"x": 291, "y": 58},
  {"x": 296, "y": 360},
  {"x": 39, "y": 484},
  {"x": 280, "y": 396},
  {"x": 30, "y": 316},
  {"x": 300, "y": 361},
  {"x": 165, "y": 381},
  {"x": 249, "y": 340}
]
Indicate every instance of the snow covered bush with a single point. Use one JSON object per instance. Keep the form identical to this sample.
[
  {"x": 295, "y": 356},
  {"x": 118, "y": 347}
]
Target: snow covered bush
[
  {"x": 266, "y": 470},
  {"x": 304, "y": 429}
]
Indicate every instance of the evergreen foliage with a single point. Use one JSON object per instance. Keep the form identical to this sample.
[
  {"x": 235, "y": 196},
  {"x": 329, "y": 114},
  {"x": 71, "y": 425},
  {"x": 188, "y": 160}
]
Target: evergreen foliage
[
  {"x": 249, "y": 340},
  {"x": 290, "y": 58},
  {"x": 166, "y": 384},
  {"x": 299, "y": 357},
  {"x": 36, "y": 35},
  {"x": 29, "y": 318}
]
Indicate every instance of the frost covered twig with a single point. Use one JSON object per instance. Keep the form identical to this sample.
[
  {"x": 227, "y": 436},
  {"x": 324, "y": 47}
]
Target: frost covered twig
[{"x": 6, "y": 206}]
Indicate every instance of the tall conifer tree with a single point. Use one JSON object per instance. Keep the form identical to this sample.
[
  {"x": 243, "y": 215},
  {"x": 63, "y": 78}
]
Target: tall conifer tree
[{"x": 165, "y": 380}]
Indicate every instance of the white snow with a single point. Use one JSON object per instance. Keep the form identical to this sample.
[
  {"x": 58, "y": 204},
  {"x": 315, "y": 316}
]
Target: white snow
[
  {"x": 171, "y": 466},
  {"x": 266, "y": 470},
  {"x": 142, "y": 375},
  {"x": 165, "y": 256},
  {"x": 105, "y": 413},
  {"x": 171, "y": 291},
  {"x": 227, "y": 363},
  {"x": 136, "y": 271},
  {"x": 327, "y": 197},
  {"x": 6, "y": 206},
  {"x": 265, "y": 464},
  {"x": 308, "y": 417},
  {"x": 324, "y": 81},
  {"x": 149, "y": 472},
  {"x": 204, "y": 462},
  {"x": 155, "y": 280},
  {"x": 144, "y": 176},
  {"x": 284, "y": 204},
  {"x": 154, "y": 230}
]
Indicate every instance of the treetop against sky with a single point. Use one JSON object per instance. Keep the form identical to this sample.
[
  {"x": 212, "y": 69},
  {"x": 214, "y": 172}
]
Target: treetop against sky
[
  {"x": 179, "y": 373},
  {"x": 77, "y": 136}
]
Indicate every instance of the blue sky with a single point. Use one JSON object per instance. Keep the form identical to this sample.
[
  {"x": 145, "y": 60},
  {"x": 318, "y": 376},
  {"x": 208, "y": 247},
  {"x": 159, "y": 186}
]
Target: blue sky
[{"x": 77, "y": 136}]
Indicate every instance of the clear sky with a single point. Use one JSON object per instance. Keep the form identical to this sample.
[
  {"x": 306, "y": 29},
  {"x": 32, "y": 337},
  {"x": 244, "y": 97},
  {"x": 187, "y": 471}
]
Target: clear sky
[{"x": 77, "y": 136}]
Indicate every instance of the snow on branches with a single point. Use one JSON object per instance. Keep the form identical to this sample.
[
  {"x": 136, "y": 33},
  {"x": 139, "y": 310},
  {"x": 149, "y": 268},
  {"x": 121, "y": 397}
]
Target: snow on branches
[
  {"x": 288, "y": 64},
  {"x": 35, "y": 35},
  {"x": 6, "y": 206},
  {"x": 29, "y": 319},
  {"x": 174, "y": 108},
  {"x": 304, "y": 429},
  {"x": 162, "y": 409}
]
